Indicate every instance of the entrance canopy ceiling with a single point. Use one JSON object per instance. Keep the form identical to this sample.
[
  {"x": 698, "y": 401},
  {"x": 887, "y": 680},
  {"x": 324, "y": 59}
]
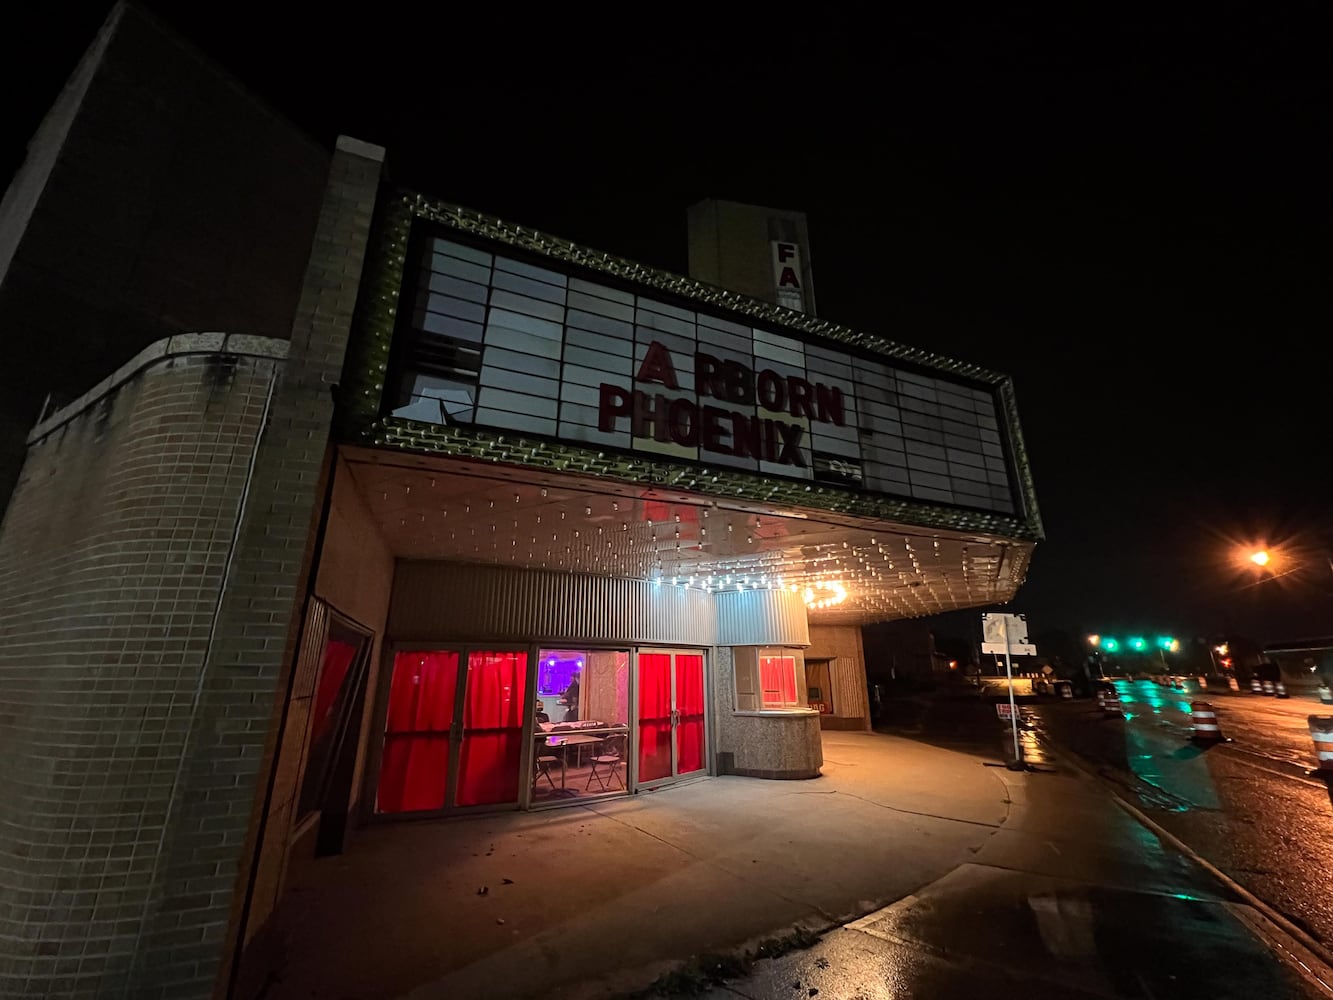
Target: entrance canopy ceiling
[{"x": 851, "y": 570}]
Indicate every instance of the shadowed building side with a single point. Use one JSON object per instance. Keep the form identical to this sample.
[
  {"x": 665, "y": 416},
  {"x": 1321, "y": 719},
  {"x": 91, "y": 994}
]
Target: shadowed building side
[{"x": 157, "y": 197}]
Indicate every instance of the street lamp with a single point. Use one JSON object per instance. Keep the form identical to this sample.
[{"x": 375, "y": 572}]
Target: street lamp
[{"x": 1260, "y": 557}]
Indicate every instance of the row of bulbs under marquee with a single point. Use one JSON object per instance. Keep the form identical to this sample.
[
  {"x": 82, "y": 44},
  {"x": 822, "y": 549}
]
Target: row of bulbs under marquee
[{"x": 674, "y": 540}]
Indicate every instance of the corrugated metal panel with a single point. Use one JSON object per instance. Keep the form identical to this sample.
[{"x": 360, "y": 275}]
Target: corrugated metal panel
[
  {"x": 761, "y": 618},
  {"x": 849, "y": 688},
  {"x": 440, "y": 601}
]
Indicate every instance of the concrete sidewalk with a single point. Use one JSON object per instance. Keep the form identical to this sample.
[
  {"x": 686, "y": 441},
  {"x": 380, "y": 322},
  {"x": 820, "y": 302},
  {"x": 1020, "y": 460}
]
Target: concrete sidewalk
[{"x": 595, "y": 899}]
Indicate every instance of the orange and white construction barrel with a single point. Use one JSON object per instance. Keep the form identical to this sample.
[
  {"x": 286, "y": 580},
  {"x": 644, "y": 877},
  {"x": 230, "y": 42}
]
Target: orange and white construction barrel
[
  {"x": 1321, "y": 731},
  {"x": 1205, "y": 725},
  {"x": 1326, "y": 694},
  {"x": 1111, "y": 704},
  {"x": 1268, "y": 688},
  {"x": 1256, "y": 686},
  {"x": 1281, "y": 689}
]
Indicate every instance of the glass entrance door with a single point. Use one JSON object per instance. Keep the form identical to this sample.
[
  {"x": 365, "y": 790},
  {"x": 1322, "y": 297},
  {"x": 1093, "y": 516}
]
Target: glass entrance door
[
  {"x": 671, "y": 709},
  {"x": 453, "y": 736}
]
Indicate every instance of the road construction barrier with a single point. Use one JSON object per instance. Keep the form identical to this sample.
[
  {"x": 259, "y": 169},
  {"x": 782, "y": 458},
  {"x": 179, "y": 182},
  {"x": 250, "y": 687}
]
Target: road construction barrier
[
  {"x": 1203, "y": 683},
  {"x": 1268, "y": 688},
  {"x": 1326, "y": 694},
  {"x": 1101, "y": 698},
  {"x": 1321, "y": 731},
  {"x": 1111, "y": 703},
  {"x": 1281, "y": 689},
  {"x": 1234, "y": 684},
  {"x": 1204, "y": 719},
  {"x": 1255, "y": 686},
  {"x": 1066, "y": 690}
]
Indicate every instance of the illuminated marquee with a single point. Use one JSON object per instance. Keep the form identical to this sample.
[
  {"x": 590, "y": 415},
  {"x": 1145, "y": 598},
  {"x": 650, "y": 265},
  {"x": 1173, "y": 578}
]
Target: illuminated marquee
[{"x": 686, "y": 422}]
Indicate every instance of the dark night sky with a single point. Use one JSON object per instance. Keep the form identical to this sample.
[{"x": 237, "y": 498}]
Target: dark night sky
[{"x": 1129, "y": 212}]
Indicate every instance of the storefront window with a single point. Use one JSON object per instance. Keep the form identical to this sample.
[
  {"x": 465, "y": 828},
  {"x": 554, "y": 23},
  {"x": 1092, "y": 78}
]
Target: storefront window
[
  {"x": 492, "y": 746},
  {"x": 415, "y": 763},
  {"x": 582, "y": 724}
]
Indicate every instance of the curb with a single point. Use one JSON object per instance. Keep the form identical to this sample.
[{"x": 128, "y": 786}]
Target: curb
[{"x": 1318, "y": 951}]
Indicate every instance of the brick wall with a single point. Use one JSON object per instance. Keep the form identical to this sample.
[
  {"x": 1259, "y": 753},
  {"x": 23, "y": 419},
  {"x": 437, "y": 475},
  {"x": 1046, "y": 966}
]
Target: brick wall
[
  {"x": 111, "y": 557},
  {"x": 221, "y": 802},
  {"x": 151, "y": 569}
]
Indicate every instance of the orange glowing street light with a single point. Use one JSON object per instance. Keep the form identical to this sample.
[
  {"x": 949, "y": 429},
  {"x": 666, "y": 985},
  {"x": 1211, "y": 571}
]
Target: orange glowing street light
[{"x": 1260, "y": 557}]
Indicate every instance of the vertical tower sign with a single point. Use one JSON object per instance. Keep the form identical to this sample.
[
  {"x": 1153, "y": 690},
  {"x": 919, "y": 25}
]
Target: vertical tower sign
[{"x": 787, "y": 275}]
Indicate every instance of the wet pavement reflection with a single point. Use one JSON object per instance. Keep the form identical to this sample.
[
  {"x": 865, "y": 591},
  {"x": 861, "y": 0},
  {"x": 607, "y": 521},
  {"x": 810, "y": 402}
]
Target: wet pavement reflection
[
  {"x": 1247, "y": 805},
  {"x": 991, "y": 932},
  {"x": 1072, "y": 897}
]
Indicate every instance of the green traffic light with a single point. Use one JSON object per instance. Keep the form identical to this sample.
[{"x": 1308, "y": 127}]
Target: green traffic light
[
  {"x": 1166, "y": 642},
  {"x": 1110, "y": 645},
  {"x": 1138, "y": 644}
]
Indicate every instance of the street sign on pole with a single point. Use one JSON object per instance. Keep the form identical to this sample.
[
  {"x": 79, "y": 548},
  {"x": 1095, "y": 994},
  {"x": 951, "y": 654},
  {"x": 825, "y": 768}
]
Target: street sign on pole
[
  {"x": 993, "y": 629},
  {"x": 1010, "y": 634}
]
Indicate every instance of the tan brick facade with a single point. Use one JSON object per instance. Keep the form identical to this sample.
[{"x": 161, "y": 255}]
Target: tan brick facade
[
  {"x": 152, "y": 568},
  {"x": 111, "y": 558}
]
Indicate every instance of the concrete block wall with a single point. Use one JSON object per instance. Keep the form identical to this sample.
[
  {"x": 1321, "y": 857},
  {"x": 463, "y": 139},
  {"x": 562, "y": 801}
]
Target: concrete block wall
[{"x": 112, "y": 554}]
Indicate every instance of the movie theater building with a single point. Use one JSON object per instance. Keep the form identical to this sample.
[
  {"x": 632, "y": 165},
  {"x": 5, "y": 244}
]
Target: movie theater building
[
  {"x": 508, "y": 523},
  {"x": 687, "y": 500}
]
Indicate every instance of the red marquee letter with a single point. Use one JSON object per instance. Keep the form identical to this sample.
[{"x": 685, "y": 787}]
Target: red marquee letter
[{"x": 657, "y": 367}]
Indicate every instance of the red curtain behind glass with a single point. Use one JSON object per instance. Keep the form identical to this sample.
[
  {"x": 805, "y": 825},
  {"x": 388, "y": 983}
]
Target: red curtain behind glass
[
  {"x": 778, "y": 674},
  {"x": 493, "y": 715},
  {"x": 654, "y": 716},
  {"x": 690, "y": 705},
  {"x": 415, "y": 765},
  {"x": 338, "y": 658}
]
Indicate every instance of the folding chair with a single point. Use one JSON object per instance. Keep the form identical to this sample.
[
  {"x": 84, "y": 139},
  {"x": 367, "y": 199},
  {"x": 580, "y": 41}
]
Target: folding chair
[
  {"x": 544, "y": 762},
  {"x": 606, "y": 763}
]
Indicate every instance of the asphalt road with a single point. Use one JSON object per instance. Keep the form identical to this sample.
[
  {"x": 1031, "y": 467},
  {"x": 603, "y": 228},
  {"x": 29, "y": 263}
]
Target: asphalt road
[{"x": 1247, "y": 805}]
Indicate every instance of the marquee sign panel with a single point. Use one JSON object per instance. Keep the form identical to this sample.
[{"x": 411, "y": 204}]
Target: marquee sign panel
[{"x": 493, "y": 341}]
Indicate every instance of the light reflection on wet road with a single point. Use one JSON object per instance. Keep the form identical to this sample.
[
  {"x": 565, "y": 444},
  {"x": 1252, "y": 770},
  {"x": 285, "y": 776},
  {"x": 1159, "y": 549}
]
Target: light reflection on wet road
[
  {"x": 1071, "y": 897},
  {"x": 1246, "y": 805}
]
